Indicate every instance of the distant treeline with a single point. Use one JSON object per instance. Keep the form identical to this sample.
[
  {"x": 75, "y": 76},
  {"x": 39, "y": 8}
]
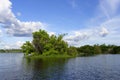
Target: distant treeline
[
  {"x": 88, "y": 50},
  {"x": 10, "y": 50}
]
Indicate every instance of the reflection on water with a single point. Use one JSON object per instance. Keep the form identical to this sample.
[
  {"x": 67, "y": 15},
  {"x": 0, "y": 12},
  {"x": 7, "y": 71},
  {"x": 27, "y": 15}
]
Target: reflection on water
[
  {"x": 101, "y": 67},
  {"x": 46, "y": 68}
]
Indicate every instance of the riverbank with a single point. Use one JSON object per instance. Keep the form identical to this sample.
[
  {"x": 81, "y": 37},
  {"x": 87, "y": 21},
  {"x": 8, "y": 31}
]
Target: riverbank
[{"x": 50, "y": 56}]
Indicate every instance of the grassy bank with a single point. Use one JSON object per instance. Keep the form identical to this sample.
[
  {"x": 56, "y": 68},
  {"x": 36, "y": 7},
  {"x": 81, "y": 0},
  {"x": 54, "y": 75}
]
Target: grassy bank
[{"x": 50, "y": 56}]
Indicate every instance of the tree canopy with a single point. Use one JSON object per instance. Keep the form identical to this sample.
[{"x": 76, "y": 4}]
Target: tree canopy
[
  {"x": 88, "y": 50},
  {"x": 46, "y": 45}
]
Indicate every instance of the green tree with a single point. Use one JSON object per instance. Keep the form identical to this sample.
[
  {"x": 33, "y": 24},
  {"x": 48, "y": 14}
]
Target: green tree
[
  {"x": 61, "y": 46},
  {"x": 40, "y": 39},
  {"x": 44, "y": 44},
  {"x": 27, "y": 48},
  {"x": 97, "y": 49},
  {"x": 104, "y": 48},
  {"x": 116, "y": 50},
  {"x": 72, "y": 51}
]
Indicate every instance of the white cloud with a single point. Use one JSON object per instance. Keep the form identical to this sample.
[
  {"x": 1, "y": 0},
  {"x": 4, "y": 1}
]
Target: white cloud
[
  {"x": 14, "y": 26},
  {"x": 103, "y": 32},
  {"x": 114, "y": 27},
  {"x": 51, "y": 33},
  {"x": 77, "y": 37},
  {"x": 24, "y": 28},
  {"x": 15, "y": 45},
  {"x": 19, "y": 43}
]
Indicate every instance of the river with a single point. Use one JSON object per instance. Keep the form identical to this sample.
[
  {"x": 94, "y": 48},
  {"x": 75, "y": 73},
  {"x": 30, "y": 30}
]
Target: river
[{"x": 13, "y": 66}]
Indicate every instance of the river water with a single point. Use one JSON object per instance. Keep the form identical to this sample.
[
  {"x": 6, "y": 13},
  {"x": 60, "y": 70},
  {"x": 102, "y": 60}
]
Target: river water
[{"x": 13, "y": 66}]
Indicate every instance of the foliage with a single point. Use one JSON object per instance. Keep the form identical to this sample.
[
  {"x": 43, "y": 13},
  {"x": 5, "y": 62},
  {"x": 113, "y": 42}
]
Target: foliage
[
  {"x": 88, "y": 50},
  {"x": 72, "y": 51},
  {"x": 46, "y": 45},
  {"x": 40, "y": 39},
  {"x": 85, "y": 50},
  {"x": 115, "y": 50},
  {"x": 27, "y": 48},
  {"x": 97, "y": 49}
]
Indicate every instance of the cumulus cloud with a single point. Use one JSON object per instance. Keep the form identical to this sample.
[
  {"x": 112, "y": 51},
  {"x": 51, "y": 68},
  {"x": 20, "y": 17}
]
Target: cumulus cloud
[
  {"x": 103, "y": 32},
  {"x": 13, "y": 25},
  {"x": 23, "y": 28},
  {"x": 76, "y": 37},
  {"x": 114, "y": 27}
]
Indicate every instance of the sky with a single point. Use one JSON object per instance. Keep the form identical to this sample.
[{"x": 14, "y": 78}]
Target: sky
[{"x": 86, "y": 22}]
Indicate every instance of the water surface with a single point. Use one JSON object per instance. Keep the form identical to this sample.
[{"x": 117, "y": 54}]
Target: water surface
[{"x": 101, "y": 67}]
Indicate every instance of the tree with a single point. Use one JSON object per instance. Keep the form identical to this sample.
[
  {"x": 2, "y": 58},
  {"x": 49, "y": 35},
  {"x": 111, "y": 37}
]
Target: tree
[
  {"x": 40, "y": 39},
  {"x": 72, "y": 51},
  {"x": 60, "y": 45},
  {"x": 97, "y": 49},
  {"x": 116, "y": 50},
  {"x": 27, "y": 48},
  {"x": 104, "y": 48},
  {"x": 44, "y": 44}
]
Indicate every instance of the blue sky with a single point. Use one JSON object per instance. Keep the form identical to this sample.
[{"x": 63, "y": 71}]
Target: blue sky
[{"x": 86, "y": 22}]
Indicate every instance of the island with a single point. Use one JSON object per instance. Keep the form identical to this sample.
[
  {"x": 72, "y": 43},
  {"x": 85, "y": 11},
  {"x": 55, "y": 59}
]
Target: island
[{"x": 45, "y": 45}]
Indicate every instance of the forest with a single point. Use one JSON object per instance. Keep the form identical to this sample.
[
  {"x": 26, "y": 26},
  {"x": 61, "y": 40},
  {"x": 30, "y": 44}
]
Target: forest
[
  {"x": 45, "y": 45},
  {"x": 88, "y": 50}
]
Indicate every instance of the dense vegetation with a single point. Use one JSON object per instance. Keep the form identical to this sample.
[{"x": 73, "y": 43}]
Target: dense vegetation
[
  {"x": 88, "y": 50},
  {"x": 10, "y": 50},
  {"x": 45, "y": 45}
]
